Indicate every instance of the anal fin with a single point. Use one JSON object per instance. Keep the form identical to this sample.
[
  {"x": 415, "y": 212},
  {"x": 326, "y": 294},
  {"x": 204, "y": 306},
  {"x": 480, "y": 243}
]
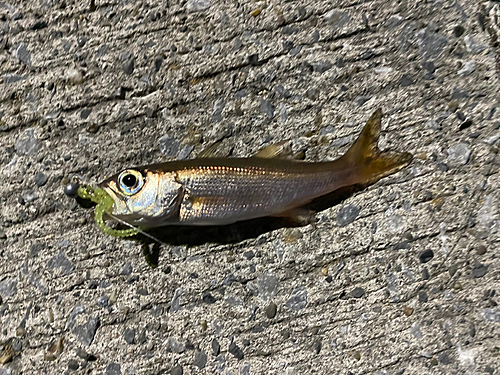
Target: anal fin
[{"x": 298, "y": 216}]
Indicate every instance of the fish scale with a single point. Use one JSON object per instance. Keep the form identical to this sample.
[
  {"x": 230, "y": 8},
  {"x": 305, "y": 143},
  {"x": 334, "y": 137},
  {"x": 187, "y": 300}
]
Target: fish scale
[{"x": 247, "y": 191}]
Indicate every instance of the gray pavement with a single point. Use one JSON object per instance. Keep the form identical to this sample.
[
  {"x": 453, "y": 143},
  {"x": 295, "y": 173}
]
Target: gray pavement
[{"x": 399, "y": 278}]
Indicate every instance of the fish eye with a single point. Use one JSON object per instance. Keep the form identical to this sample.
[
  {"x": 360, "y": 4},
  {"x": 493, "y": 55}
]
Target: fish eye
[{"x": 130, "y": 181}]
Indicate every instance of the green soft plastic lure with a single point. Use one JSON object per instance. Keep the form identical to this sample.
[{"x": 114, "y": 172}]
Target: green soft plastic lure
[{"x": 104, "y": 203}]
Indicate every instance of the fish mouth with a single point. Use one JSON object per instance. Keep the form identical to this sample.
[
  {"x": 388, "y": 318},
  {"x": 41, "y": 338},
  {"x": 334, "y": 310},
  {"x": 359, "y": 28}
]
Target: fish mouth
[
  {"x": 119, "y": 206},
  {"x": 120, "y": 209}
]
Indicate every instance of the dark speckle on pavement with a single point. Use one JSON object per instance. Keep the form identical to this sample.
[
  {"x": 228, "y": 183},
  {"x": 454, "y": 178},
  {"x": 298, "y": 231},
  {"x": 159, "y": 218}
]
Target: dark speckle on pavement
[
  {"x": 129, "y": 336},
  {"x": 85, "y": 333},
  {"x": 61, "y": 261},
  {"x": 425, "y": 256},
  {"x": 297, "y": 299},
  {"x": 358, "y": 292},
  {"x": 479, "y": 270},
  {"x": 200, "y": 359},
  {"x": 235, "y": 350},
  {"x": 113, "y": 369},
  {"x": 347, "y": 215},
  {"x": 215, "y": 347}
]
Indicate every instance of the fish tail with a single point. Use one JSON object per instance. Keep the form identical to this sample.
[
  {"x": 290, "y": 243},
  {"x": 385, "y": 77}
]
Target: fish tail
[{"x": 368, "y": 162}]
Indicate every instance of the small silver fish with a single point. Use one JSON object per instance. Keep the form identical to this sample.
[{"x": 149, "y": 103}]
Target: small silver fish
[{"x": 217, "y": 191}]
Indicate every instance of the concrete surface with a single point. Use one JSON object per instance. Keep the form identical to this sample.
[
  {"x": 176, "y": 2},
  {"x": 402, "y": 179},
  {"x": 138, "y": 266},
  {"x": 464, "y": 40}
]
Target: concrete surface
[{"x": 402, "y": 277}]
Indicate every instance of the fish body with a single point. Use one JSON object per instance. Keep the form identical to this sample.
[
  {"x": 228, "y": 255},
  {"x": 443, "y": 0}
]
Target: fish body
[
  {"x": 222, "y": 191},
  {"x": 218, "y": 191}
]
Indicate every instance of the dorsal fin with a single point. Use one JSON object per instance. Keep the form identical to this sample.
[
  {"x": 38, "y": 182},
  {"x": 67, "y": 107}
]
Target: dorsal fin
[
  {"x": 277, "y": 150},
  {"x": 212, "y": 151}
]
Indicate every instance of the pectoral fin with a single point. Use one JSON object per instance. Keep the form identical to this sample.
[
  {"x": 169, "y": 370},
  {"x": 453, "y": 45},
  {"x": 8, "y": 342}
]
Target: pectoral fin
[{"x": 197, "y": 202}]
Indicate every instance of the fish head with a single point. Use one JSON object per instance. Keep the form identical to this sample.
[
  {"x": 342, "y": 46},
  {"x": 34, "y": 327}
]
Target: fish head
[{"x": 143, "y": 197}]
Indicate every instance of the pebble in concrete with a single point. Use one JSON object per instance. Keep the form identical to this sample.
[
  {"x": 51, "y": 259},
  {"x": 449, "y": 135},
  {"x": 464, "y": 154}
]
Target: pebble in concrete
[
  {"x": 347, "y": 215},
  {"x": 297, "y": 299}
]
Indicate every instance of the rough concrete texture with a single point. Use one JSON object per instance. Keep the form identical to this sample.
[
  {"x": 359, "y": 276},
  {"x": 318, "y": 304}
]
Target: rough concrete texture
[{"x": 402, "y": 277}]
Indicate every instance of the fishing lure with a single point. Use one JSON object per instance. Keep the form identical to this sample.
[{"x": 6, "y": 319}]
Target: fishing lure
[
  {"x": 104, "y": 203},
  {"x": 219, "y": 191}
]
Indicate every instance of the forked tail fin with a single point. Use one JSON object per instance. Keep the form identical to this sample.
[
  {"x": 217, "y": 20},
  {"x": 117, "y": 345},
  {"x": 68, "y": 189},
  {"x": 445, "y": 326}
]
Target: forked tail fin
[{"x": 368, "y": 162}]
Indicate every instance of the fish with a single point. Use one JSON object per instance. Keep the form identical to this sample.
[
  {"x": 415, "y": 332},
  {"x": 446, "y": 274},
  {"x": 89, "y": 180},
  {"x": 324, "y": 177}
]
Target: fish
[{"x": 220, "y": 191}]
